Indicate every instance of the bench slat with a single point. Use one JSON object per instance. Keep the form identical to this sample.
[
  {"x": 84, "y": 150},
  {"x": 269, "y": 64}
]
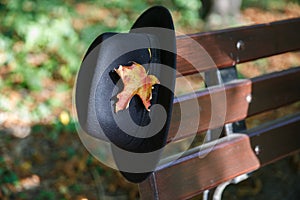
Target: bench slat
[
  {"x": 276, "y": 139},
  {"x": 205, "y": 168},
  {"x": 275, "y": 90},
  {"x": 268, "y": 92},
  {"x": 236, "y": 105},
  {"x": 191, "y": 175},
  {"x": 213, "y": 163},
  {"x": 258, "y": 41}
]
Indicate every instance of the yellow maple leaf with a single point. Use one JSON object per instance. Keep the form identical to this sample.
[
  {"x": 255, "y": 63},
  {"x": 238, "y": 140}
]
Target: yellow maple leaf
[{"x": 136, "y": 82}]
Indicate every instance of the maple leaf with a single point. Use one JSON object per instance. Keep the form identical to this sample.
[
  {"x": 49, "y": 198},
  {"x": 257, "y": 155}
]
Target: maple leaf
[{"x": 136, "y": 81}]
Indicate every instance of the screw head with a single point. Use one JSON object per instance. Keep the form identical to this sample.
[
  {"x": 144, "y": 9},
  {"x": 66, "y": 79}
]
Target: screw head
[
  {"x": 240, "y": 45},
  {"x": 249, "y": 98},
  {"x": 257, "y": 150}
]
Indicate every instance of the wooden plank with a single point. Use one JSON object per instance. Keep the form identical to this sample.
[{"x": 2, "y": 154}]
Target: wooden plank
[
  {"x": 203, "y": 169},
  {"x": 268, "y": 92},
  {"x": 274, "y": 90},
  {"x": 191, "y": 174},
  {"x": 233, "y": 155},
  {"x": 231, "y": 98},
  {"x": 256, "y": 41},
  {"x": 276, "y": 139}
]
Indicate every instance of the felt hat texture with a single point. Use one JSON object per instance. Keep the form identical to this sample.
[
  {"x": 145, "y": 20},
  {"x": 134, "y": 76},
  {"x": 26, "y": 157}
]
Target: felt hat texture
[{"x": 133, "y": 131}]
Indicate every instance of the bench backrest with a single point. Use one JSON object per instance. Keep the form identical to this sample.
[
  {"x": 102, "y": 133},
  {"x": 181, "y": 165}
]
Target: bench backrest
[{"x": 234, "y": 154}]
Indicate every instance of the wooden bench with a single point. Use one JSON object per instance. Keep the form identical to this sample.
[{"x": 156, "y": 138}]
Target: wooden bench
[{"x": 239, "y": 150}]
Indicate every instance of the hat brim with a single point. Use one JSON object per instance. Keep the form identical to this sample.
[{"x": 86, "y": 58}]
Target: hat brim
[{"x": 156, "y": 16}]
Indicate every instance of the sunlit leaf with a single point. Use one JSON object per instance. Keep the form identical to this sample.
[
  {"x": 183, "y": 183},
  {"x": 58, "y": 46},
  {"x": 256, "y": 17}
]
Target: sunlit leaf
[{"x": 136, "y": 82}]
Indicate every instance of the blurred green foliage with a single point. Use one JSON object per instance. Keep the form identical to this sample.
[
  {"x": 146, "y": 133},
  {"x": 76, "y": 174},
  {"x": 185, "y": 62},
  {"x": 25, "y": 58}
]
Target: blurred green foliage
[
  {"x": 41, "y": 47},
  {"x": 42, "y": 43},
  {"x": 267, "y": 4},
  {"x": 37, "y": 41}
]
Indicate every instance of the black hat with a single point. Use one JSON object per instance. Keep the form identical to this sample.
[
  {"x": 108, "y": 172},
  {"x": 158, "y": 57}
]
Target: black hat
[{"x": 137, "y": 135}]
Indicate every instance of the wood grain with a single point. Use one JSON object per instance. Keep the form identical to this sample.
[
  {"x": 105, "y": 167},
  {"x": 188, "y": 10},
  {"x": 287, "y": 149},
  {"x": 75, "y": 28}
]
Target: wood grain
[
  {"x": 276, "y": 139},
  {"x": 208, "y": 165},
  {"x": 257, "y": 41},
  {"x": 275, "y": 90},
  {"x": 194, "y": 113},
  {"x": 267, "y": 92},
  {"x": 230, "y": 157},
  {"x": 204, "y": 168}
]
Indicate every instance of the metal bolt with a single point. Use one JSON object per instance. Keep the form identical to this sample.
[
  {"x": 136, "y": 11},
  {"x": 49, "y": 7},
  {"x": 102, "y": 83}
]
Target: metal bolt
[
  {"x": 240, "y": 45},
  {"x": 257, "y": 150},
  {"x": 249, "y": 98}
]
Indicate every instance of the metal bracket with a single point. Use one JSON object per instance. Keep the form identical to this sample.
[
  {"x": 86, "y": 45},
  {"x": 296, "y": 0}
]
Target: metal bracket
[
  {"x": 219, "y": 190},
  {"x": 216, "y": 194},
  {"x": 219, "y": 77}
]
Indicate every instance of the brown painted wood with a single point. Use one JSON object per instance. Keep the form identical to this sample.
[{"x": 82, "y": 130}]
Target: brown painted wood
[
  {"x": 201, "y": 169},
  {"x": 231, "y": 99},
  {"x": 268, "y": 92},
  {"x": 275, "y": 90},
  {"x": 232, "y": 155},
  {"x": 276, "y": 139},
  {"x": 258, "y": 41}
]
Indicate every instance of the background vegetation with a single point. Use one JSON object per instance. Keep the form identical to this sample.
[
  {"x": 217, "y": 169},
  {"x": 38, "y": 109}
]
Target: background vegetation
[
  {"x": 42, "y": 44},
  {"x": 41, "y": 47}
]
